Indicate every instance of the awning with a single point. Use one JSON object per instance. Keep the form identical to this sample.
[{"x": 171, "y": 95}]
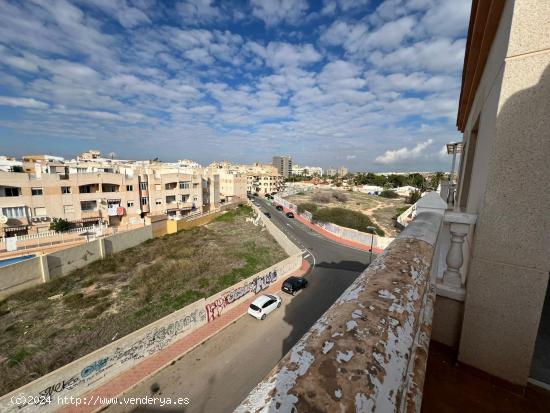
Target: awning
[{"x": 18, "y": 228}]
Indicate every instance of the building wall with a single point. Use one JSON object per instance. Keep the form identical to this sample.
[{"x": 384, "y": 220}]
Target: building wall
[{"x": 510, "y": 262}]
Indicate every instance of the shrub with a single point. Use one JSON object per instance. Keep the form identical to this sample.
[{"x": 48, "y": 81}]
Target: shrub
[
  {"x": 307, "y": 206},
  {"x": 340, "y": 196},
  {"x": 321, "y": 197},
  {"x": 60, "y": 225},
  {"x": 386, "y": 193},
  {"x": 346, "y": 218},
  {"x": 413, "y": 197}
]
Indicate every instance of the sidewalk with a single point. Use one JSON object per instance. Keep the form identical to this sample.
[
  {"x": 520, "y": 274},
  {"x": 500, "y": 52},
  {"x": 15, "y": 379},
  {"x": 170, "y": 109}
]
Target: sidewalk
[
  {"x": 333, "y": 237},
  {"x": 130, "y": 378}
]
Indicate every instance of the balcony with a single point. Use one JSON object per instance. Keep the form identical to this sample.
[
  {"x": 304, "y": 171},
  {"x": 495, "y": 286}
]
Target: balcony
[{"x": 371, "y": 350}]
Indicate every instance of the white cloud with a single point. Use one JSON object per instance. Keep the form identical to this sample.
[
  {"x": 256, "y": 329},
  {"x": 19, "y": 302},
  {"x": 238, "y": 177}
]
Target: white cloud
[
  {"x": 404, "y": 154},
  {"x": 23, "y": 102},
  {"x": 198, "y": 11},
  {"x": 278, "y": 54},
  {"x": 274, "y": 12}
]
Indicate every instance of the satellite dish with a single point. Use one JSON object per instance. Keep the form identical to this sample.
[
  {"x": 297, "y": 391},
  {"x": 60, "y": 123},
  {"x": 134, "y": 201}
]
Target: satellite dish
[
  {"x": 3, "y": 219},
  {"x": 138, "y": 211}
]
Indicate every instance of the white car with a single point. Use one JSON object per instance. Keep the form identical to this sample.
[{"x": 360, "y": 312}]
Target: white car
[{"x": 263, "y": 305}]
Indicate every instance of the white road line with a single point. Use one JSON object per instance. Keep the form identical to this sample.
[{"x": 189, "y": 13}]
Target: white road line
[{"x": 308, "y": 255}]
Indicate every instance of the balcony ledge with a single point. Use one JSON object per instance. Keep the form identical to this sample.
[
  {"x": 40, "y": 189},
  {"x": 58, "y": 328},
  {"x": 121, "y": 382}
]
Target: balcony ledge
[{"x": 368, "y": 352}]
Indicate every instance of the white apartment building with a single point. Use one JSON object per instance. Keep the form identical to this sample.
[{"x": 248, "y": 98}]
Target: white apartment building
[{"x": 307, "y": 170}]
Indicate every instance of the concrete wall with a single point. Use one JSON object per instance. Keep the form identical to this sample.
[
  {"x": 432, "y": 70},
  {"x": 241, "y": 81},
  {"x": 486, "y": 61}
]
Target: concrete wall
[
  {"x": 510, "y": 262},
  {"x": 18, "y": 276},
  {"x": 31, "y": 272},
  {"x": 234, "y": 295},
  {"x": 63, "y": 262},
  {"x": 123, "y": 240},
  {"x": 100, "y": 366},
  {"x": 285, "y": 242}
]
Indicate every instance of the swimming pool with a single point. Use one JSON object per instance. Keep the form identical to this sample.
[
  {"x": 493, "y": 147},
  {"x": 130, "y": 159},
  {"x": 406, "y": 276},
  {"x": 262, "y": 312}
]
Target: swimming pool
[{"x": 14, "y": 260}]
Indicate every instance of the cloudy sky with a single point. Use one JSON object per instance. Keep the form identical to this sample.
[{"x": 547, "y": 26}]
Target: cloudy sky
[{"x": 373, "y": 85}]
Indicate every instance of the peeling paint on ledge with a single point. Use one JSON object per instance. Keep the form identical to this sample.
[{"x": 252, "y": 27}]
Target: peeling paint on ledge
[{"x": 368, "y": 352}]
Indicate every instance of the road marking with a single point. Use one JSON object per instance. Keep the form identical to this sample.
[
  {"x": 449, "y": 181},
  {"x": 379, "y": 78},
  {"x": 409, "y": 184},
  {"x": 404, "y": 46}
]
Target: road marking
[
  {"x": 314, "y": 261},
  {"x": 308, "y": 255}
]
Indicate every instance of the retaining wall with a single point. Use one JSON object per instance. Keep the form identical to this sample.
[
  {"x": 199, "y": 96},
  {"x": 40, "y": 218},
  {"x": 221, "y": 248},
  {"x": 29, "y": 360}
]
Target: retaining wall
[
  {"x": 21, "y": 275},
  {"x": 65, "y": 261},
  {"x": 124, "y": 240}
]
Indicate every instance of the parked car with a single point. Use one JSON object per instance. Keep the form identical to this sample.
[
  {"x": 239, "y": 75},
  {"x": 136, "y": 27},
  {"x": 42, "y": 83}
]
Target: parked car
[
  {"x": 263, "y": 305},
  {"x": 279, "y": 208},
  {"x": 267, "y": 214},
  {"x": 290, "y": 214},
  {"x": 294, "y": 284}
]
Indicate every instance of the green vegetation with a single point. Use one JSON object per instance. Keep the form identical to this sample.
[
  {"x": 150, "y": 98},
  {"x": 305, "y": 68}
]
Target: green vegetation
[
  {"x": 386, "y": 193},
  {"x": 392, "y": 180},
  {"x": 346, "y": 218},
  {"x": 413, "y": 197},
  {"x": 48, "y": 326},
  {"x": 60, "y": 225},
  {"x": 307, "y": 206}
]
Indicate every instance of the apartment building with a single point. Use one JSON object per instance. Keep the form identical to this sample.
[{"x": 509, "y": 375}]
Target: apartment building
[
  {"x": 232, "y": 178},
  {"x": 263, "y": 179},
  {"x": 104, "y": 192},
  {"x": 307, "y": 170},
  {"x": 283, "y": 165}
]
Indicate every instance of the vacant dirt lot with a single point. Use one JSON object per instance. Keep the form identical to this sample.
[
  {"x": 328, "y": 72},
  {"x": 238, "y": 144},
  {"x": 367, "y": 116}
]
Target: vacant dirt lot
[
  {"x": 46, "y": 327},
  {"x": 380, "y": 210}
]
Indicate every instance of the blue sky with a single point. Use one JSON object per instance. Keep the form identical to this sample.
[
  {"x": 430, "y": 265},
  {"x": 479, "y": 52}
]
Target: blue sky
[{"x": 373, "y": 85}]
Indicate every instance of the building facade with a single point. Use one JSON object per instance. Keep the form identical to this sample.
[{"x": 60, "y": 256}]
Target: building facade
[
  {"x": 100, "y": 191},
  {"x": 283, "y": 165}
]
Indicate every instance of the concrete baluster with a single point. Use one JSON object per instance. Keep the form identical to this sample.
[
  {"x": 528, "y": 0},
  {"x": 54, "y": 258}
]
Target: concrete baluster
[{"x": 455, "y": 258}]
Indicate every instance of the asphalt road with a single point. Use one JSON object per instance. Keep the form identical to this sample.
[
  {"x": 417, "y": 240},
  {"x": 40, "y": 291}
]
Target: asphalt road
[{"x": 217, "y": 375}]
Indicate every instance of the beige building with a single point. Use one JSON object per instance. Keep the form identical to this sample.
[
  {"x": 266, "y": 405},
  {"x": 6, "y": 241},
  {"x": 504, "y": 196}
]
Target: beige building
[
  {"x": 263, "y": 179},
  {"x": 92, "y": 192},
  {"x": 233, "y": 181},
  {"x": 504, "y": 172}
]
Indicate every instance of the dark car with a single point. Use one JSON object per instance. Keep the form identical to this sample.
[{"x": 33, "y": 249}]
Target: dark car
[
  {"x": 290, "y": 215},
  {"x": 279, "y": 207},
  {"x": 294, "y": 284},
  {"x": 267, "y": 214}
]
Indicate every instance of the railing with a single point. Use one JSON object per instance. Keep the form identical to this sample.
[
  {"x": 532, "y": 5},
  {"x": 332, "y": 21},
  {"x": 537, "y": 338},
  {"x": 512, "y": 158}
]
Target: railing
[{"x": 368, "y": 352}]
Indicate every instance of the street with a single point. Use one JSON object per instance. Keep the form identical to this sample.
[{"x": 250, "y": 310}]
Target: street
[{"x": 219, "y": 374}]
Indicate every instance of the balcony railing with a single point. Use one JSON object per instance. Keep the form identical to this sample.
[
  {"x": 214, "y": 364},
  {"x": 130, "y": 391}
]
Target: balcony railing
[{"x": 368, "y": 352}]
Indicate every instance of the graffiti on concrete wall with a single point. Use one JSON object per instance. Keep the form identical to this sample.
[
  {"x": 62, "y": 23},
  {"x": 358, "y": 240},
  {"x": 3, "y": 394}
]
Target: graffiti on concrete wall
[
  {"x": 260, "y": 283},
  {"x": 152, "y": 342}
]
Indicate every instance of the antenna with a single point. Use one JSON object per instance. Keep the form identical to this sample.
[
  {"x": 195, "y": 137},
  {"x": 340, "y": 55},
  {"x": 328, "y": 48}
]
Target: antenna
[{"x": 112, "y": 155}]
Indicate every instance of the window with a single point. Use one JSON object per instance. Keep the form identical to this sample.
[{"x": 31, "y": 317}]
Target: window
[
  {"x": 184, "y": 185},
  {"x": 170, "y": 199},
  {"x": 36, "y": 191},
  {"x": 143, "y": 186},
  {"x": 68, "y": 209},
  {"x": 184, "y": 198},
  {"x": 65, "y": 189},
  {"x": 158, "y": 201},
  {"x": 85, "y": 189},
  {"x": 129, "y": 188},
  {"x": 130, "y": 204},
  {"x": 143, "y": 200},
  {"x": 88, "y": 205},
  {"x": 12, "y": 191},
  {"x": 15, "y": 212},
  {"x": 40, "y": 212}
]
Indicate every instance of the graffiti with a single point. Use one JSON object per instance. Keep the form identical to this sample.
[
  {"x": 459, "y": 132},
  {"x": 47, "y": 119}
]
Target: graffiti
[
  {"x": 260, "y": 283},
  {"x": 157, "y": 339},
  {"x": 94, "y": 367},
  {"x": 68, "y": 384}
]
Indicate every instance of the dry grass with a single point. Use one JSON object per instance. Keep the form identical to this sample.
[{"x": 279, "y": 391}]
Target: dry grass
[
  {"x": 46, "y": 327},
  {"x": 380, "y": 210}
]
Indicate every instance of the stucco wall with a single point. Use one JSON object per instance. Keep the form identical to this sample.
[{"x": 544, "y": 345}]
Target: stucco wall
[
  {"x": 63, "y": 262},
  {"x": 123, "y": 240},
  {"x": 18, "y": 276},
  {"x": 508, "y": 272}
]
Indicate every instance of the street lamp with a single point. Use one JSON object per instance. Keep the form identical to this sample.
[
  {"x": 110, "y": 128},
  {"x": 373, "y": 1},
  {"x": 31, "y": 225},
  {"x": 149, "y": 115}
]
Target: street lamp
[{"x": 372, "y": 231}]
